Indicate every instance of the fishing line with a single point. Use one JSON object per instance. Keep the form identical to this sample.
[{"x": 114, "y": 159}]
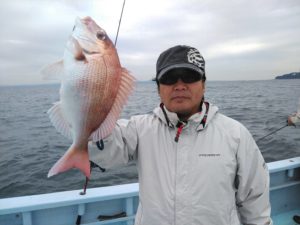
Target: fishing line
[
  {"x": 120, "y": 23},
  {"x": 272, "y": 132},
  {"x": 102, "y": 145}
]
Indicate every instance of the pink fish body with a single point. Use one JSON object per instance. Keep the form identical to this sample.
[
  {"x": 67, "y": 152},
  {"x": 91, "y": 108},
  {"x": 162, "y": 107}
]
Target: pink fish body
[{"x": 93, "y": 91}]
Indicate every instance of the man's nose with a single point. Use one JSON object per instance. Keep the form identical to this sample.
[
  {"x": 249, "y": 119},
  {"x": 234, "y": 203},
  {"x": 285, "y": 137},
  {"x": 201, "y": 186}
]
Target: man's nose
[{"x": 180, "y": 85}]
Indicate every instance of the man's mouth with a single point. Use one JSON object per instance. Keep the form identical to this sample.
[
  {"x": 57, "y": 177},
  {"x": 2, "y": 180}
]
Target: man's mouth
[{"x": 179, "y": 97}]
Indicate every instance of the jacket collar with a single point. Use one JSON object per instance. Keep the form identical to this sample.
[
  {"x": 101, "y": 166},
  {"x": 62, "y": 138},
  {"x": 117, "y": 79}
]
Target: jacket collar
[{"x": 171, "y": 119}]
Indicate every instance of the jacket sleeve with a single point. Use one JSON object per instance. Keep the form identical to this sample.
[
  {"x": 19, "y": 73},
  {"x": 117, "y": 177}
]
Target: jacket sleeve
[
  {"x": 118, "y": 148},
  {"x": 252, "y": 183}
]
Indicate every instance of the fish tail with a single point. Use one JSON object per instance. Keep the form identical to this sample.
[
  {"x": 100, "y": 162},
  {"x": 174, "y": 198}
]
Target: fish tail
[{"x": 73, "y": 158}]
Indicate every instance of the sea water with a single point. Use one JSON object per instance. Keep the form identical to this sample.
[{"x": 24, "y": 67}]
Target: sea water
[{"x": 30, "y": 145}]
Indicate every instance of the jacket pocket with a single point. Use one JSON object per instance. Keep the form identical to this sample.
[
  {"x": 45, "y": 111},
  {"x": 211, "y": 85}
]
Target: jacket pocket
[{"x": 215, "y": 213}]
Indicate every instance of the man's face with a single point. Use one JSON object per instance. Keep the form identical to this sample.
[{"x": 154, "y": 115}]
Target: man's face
[{"x": 182, "y": 98}]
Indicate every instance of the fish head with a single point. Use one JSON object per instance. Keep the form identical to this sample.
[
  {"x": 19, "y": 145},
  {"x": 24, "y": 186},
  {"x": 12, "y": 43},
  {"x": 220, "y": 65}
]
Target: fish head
[{"x": 90, "y": 37}]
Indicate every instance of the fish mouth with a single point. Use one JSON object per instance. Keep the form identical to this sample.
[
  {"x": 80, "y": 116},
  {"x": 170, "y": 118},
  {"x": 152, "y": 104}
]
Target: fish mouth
[
  {"x": 90, "y": 52},
  {"x": 85, "y": 37}
]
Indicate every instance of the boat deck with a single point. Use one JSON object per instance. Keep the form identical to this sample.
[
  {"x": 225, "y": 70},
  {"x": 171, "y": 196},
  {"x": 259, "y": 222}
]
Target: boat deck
[{"x": 286, "y": 218}]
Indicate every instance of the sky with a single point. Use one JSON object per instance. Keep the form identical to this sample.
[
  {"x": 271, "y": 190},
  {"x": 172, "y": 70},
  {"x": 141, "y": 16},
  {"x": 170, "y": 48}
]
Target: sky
[{"x": 239, "y": 39}]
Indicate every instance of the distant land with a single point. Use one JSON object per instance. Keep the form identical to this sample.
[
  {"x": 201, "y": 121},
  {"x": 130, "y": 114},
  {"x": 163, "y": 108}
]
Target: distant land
[{"x": 294, "y": 75}]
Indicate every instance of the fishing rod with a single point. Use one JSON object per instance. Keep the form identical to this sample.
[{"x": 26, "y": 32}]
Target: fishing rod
[
  {"x": 288, "y": 123},
  {"x": 120, "y": 23},
  {"x": 272, "y": 132}
]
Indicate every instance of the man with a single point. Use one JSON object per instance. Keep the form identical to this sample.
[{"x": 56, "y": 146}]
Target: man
[
  {"x": 195, "y": 165},
  {"x": 294, "y": 120}
]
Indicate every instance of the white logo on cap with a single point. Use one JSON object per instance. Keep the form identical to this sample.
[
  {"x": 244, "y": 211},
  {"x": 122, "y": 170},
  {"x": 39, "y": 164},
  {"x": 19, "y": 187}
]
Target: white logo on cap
[{"x": 195, "y": 57}]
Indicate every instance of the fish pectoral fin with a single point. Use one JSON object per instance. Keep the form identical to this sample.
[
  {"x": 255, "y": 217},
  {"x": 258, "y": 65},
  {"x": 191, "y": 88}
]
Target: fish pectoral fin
[
  {"x": 125, "y": 88},
  {"x": 73, "y": 158},
  {"x": 59, "y": 121},
  {"x": 54, "y": 71}
]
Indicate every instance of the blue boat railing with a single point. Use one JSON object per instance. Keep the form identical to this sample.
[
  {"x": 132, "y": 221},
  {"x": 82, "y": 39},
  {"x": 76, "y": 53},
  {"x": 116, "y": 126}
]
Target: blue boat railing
[
  {"x": 29, "y": 210},
  {"x": 63, "y": 208}
]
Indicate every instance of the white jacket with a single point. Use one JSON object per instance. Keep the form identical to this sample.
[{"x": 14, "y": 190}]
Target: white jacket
[{"x": 213, "y": 175}]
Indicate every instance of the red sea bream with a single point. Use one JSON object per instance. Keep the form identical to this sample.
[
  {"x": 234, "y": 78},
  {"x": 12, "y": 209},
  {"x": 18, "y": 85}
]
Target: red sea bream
[{"x": 93, "y": 91}]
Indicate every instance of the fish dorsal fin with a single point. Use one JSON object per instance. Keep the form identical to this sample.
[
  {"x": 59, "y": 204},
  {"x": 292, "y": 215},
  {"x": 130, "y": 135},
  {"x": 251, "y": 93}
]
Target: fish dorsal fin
[
  {"x": 54, "y": 71},
  {"x": 106, "y": 127},
  {"x": 59, "y": 121}
]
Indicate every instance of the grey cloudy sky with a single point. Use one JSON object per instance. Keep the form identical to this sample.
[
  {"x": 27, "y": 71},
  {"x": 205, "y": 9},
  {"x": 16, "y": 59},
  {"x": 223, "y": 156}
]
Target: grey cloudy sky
[{"x": 239, "y": 39}]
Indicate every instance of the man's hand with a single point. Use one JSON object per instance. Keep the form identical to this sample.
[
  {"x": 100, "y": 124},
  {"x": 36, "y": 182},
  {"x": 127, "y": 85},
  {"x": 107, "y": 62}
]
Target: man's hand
[{"x": 294, "y": 120}]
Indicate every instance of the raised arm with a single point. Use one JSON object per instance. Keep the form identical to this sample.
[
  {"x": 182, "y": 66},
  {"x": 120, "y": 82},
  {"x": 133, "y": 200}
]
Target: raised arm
[{"x": 118, "y": 148}]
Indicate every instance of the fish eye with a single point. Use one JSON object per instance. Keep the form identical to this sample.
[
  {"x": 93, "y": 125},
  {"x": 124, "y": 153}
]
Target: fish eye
[{"x": 101, "y": 35}]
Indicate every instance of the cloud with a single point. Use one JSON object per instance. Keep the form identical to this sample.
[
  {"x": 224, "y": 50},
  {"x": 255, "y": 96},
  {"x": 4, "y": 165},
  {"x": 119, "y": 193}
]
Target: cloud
[
  {"x": 235, "y": 47},
  {"x": 242, "y": 39}
]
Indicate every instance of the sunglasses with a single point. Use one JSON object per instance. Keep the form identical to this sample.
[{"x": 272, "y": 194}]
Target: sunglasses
[{"x": 185, "y": 75}]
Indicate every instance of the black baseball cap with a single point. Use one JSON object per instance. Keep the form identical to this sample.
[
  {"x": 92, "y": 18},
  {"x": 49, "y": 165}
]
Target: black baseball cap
[{"x": 180, "y": 56}]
